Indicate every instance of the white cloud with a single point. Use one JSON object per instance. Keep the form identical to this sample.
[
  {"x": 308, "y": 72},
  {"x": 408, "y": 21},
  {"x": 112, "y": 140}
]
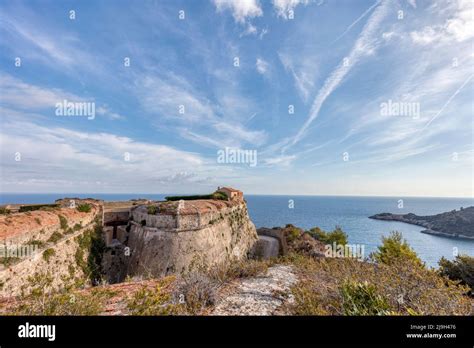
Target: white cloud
[
  {"x": 104, "y": 110},
  {"x": 362, "y": 47},
  {"x": 263, "y": 33},
  {"x": 17, "y": 94},
  {"x": 283, "y": 7},
  {"x": 303, "y": 69},
  {"x": 412, "y": 3},
  {"x": 165, "y": 94},
  {"x": 459, "y": 27},
  {"x": 31, "y": 97},
  {"x": 284, "y": 160},
  {"x": 262, "y": 66},
  {"x": 250, "y": 30},
  {"x": 35, "y": 40},
  {"x": 388, "y": 35},
  {"x": 357, "y": 20},
  {"x": 241, "y": 9},
  {"x": 57, "y": 155}
]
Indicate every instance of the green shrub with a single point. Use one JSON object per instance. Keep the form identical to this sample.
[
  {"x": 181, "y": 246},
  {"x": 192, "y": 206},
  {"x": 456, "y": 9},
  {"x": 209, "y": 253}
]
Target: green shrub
[
  {"x": 50, "y": 209},
  {"x": 292, "y": 233},
  {"x": 152, "y": 209},
  {"x": 187, "y": 198},
  {"x": 36, "y": 242},
  {"x": 394, "y": 248},
  {"x": 63, "y": 222},
  {"x": 48, "y": 253},
  {"x": 154, "y": 301},
  {"x": 220, "y": 195},
  {"x": 84, "y": 208},
  {"x": 362, "y": 299},
  {"x": 9, "y": 260},
  {"x": 4, "y": 210},
  {"x": 198, "y": 291},
  {"x": 246, "y": 268},
  {"x": 77, "y": 227},
  {"x": 460, "y": 269},
  {"x": 336, "y": 236},
  {"x": 215, "y": 195},
  {"x": 92, "y": 243},
  {"x": 42, "y": 302},
  {"x": 26, "y": 208},
  {"x": 55, "y": 237}
]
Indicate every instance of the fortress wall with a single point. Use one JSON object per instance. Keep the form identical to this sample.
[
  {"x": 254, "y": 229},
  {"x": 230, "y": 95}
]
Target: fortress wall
[
  {"x": 189, "y": 222},
  {"x": 158, "y": 252},
  {"x": 22, "y": 228},
  {"x": 62, "y": 266},
  {"x": 116, "y": 215},
  {"x": 194, "y": 221},
  {"x": 158, "y": 221}
]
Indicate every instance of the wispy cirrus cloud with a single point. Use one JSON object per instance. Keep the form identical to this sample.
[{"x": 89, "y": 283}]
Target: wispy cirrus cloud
[
  {"x": 262, "y": 66},
  {"x": 362, "y": 47},
  {"x": 20, "y": 95},
  {"x": 116, "y": 161},
  {"x": 362, "y": 16},
  {"x": 173, "y": 98},
  {"x": 283, "y": 7}
]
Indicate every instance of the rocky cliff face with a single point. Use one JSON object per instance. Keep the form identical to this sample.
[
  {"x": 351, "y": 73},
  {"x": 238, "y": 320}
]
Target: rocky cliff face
[
  {"x": 45, "y": 248},
  {"x": 160, "y": 246}
]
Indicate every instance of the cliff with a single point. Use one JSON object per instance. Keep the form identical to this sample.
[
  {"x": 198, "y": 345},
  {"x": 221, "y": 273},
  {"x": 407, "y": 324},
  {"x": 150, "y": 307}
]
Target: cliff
[
  {"x": 172, "y": 237},
  {"x": 456, "y": 223},
  {"x": 47, "y": 249}
]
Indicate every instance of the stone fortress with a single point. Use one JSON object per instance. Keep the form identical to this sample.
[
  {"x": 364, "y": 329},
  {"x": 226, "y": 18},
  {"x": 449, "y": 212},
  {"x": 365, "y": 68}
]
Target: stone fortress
[
  {"x": 138, "y": 238},
  {"x": 159, "y": 238}
]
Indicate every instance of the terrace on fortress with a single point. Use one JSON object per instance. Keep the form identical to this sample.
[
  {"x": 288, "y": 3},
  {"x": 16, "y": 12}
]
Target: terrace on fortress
[{"x": 177, "y": 215}]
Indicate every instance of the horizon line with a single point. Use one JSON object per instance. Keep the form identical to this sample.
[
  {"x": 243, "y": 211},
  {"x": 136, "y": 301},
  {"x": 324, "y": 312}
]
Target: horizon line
[{"x": 245, "y": 194}]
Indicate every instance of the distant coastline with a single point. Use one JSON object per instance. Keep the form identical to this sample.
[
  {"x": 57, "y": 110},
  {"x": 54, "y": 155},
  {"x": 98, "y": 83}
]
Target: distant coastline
[{"x": 453, "y": 224}]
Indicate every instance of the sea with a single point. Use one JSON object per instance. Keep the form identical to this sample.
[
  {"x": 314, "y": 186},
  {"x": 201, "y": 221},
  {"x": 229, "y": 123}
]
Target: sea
[{"x": 351, "y": 213}]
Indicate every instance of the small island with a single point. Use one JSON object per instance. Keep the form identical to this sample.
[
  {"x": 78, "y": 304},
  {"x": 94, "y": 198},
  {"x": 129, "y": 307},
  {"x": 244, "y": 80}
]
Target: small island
[{"x": 455, "y": 224}]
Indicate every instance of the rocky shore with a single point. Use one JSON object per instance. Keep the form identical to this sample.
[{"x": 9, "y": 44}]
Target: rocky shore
[{"x": 453, "y": 224}]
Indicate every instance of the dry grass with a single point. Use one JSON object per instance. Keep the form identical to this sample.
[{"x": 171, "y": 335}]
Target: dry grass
[{"x": 407, "y": 287}]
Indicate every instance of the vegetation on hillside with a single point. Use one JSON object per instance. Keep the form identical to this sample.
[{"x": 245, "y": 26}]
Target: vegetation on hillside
[
  {"x": 4, "y": 211},
  {"x": 84, "y": 208},
  {"x": 26, "y": 208},
  {"x": 460, "y": 269},
  {"x": 336, "y": 236},
  {"x": 392, "y": 281},
  {"x": 215, "y": 195}
]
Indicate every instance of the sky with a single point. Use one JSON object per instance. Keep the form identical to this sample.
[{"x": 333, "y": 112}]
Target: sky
[{"x": 302, "y": 86}]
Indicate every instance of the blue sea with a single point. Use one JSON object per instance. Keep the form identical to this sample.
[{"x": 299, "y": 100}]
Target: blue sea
[{"x": 327, "y": 212}]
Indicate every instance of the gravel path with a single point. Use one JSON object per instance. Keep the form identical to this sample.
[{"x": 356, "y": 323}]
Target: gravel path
[{"x": 261, "y": 295}]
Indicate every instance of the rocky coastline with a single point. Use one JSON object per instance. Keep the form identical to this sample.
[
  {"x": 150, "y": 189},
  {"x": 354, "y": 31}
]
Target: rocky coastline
[{"x": 453, "y": 224}]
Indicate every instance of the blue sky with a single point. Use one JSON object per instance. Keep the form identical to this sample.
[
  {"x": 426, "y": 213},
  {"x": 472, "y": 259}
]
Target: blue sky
[{"x": 335, "y": 62}]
